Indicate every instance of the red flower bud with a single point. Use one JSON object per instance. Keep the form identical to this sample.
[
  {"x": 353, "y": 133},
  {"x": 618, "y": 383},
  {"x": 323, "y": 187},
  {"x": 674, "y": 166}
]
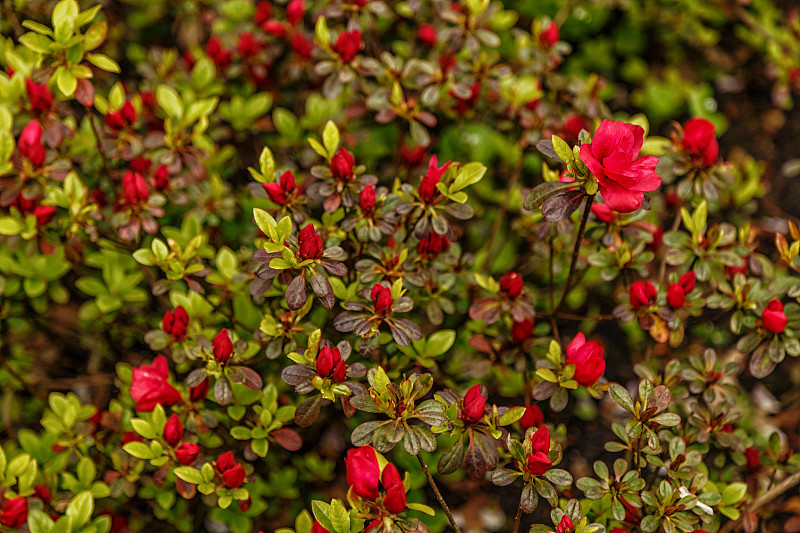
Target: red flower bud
[
  {"x": 700, "y": 143},
  {"x": 199, "y": 392},
  {"x": 141, "y": 164},
  {"x": 395, "y": 500},
  {"x": 511, "y": 284},
  {"x": 473, "y": 406},
  {"x": 342, "y": 165},
  {"x": 753, "y": 459},
  {"x": 134, "y": 188},
  {"x": 39, "y": 96},
  {"x": 363, "y": 472},
  {"x": 274, "y": 27},
  {"x": 173, "y": 430},
  {"x": 565, "y": 525},
  {"x": 174, "y": 323},
  {"x": 187, "y": 453},
  {"x": 548, "y": 38},
  {"x": 263, "y": 13},
  {"x": 521, "y": 331},
  {"x": 128, "y": 112},
  {"x": 642, "y": 293},
  {"x": 149, "y": 386},
  {"x": 225, "y": 461},
  {"x": 538, "y": 461},
  {"x": 15, "y": 512},
  {"x": 675, "y": 296},
  {"x": 533, "y": 417},
  {"x": 161, "y": 178},
  {"x": 330, "y": 364},
  {"x": 280, "y": 191},
  {"x": 773, "y": 318},
  {"x": 688, "y": 282},
  {"x": 42, "y": 492},
  {"x": 220, "y": 56},
  {"x": 301, "y": 45},
  {"x": 30, "y": 143},
  {"x": 366, "y": 198},
  {"x": 248, "y": 45},
  {"x": 427, "y": 34},
  {"x": 432, "y": 245},
  {"x": 588, "y": 358},
  {"x": 309, "y": 243},
  {"x": 295, "y": 12},
  {"x": 603, "y": 213},
  {"x": 573, "y": 126},
  {"x": 44, "y": 214},
  {"x": 234, "y": 477},
  {"x": 223, "y": 347},
  {"x": 381, "y": 297},
  {"x": 412, "y": 157},
  {"x": 347, "y": 45}
]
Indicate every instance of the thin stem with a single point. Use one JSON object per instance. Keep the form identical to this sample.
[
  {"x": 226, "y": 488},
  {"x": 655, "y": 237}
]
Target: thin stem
[
  {"x": 518, "y": 518},
  {"x": 439, "y": 497},
  {"x": 765, "y": 498},
  {"x": 97, "y": 142},
  {"x": 575, "y": 253}
]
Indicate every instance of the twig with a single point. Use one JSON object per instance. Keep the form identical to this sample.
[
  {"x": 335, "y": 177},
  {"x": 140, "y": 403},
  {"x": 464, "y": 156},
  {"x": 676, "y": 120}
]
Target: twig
[
  {"x": 90, "y": 116},
  {"x": 765, "y": 498},
  {"x": 518, "y": 518},
  {"x": 575, "y": 253},
  {"x": 439, "y": 497},
  {"x": 662, "y": 269}
]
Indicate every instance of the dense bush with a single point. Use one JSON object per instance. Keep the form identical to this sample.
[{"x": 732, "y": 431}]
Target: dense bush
[{"x": 417, "y": 266}]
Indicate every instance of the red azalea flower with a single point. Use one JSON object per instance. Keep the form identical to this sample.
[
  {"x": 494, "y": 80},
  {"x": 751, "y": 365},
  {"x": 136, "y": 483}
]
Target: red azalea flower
[
  {"x": 42, "y": 492},
  {"x": 773, "y": 318},
  {"x": 331, "y": 365},
  {"x": 428, "y": 192},
  {"x": 473, "y": 406},
  {"x": 588, "y": 358},
  {"x": 223, "y": 347},
  {"x": 548, "y": 37},
  {"x": 565, "y": 525},
  {"x": 533, "y": 417},
  {"x": 30, "y": 143},
  {"x": 141, "y": 164},
  {"x": 161, "y": 178},
  {"x": 642, "y": 293},
  {"x": 347, "y": 45},
  {"x": 412, "y": 157},
  {"x": 395, "y": 499},
  {"x": 279, "y": 192},
  {"x": 134, "y": 188},
  {"x": 247, "y": 46},
  {"x": 612, "y": 156},
  {"x": 753, "y": 459},
  {"x": 381, "y": 297},
  {"x": 603, "y": 213},
  {"x": 700, "y": 143},
  {"x": 317, "y": 528},
  {"x": 301, "y": 45},
  {"x": 44, "y": 214},
  {"x": 427, "y": 34},
  {"x": 173, "y": 430},
  {"x": 149, "y": 386},
  {"x": 234, "y": 477},
  {"x": 263, "y": 13},
  {"x": 295, "y": 12},
  {"x": 219, "y": 55},
  {"x": 511, "y": 284},
  {"x": 15, "y": 512},
  {"x": 274, "y": 27},
  {"x": 432, "y": 245},
  {"x": 39, "y": 96},
  {"x": 366, "y": 198},
  {"x": 309, "y": 243},
  {"x": 187, "y": 453},
  {"x": 538, "y": 461},
  {"x": 199, "y": 392},
  {"x": 342, "y": 165},
  {"x": 363, "y": 472}
]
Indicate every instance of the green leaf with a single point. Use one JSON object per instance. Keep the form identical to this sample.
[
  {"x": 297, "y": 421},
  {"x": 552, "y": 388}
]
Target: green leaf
[
  {"x": 562, "y": 149},
  {"x": 734, "y": 493},
  {"x": 322, "y": 32},
  {"x": 169, "y": 100},
  {"x": 620, "y": 395},
  {"x": 95, "y": 36},
  {"x": 266, "y": 163},
  {"x": 39, "y": 522},
  {"x": 422, "y": 508},
  {"x": 189, "y": 474},
  {"x": 340, "y": 518},
  {"x": 322, "y": 511},
  {"x": 440, "y": 342},
  {"x": 511, "y": 416},
  {"x": 539, "y": 194},
  {"x": 10, "y": 226},
  {"x": 138, "y": 450},
  {"x": 330, "y": 137},
  {"x": 66, "y": 82},
  {"x": 266, "y": 223},
  {"x": 36, "y": 42},
  {"x": 104, "y": 62},
  {"x": 469, "y": 174},
  {"x": 80, "y": 508},
  {"x": 143, "y": 428}
]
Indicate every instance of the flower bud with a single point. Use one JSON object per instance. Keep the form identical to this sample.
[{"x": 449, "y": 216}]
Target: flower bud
[
  {"x": 223, "y": 347},
  {"x": 15, "y": 512},
  {"x": 675, "y": 296},
  {"x": 330, "y": 364},
  {"x": 342, "y": 165},
  {"x": 234, "y": 477},
  {"x": 347, "y": 45},
  {"x": 44, "y": 214},
  {"x": 395, "y": 499},
  {"x": 699, "y": 142},
  {"x": 603, "y": 213},
  {"x": 642, "y": 293},
  {"x": 173, "y": 430},
  {"x": 187, "y": 453},
  {"x": 427, "y": 34},
  {"x": 275, "y": 28},
  {"x": 218, "y": 54},
  {"x": 381, "y": 297},
  {"x": 279, "y": 191},
  {"x": 134, "y": 188},
  {"x": 247, "y": 46},
  {"x": 199, "y": 392},
  {"x": 511, "y": 284},
  {"x": 295, "y": 12},
  {"x": 532, "y": 418},
  {"x": 363, "y": 472},
  {"x": 773, "y": 318},
  {"x": 521, "y": 330},
  {"x": 588, "y": 358},
  {"x": 30, "y": 143},
  {"x": 538, "y": 461},
  {"x": 263, "y": 13},
  {"x": 309, "y": 243},
  {"x": 565, "y": 525},
  {"x": 366, "y": 198},
  {"x": 39, "y": 96},
  {"x": 161, "y": 178},
  {"x": 549, "y": 36},
  {"x": 432, "y": 245},
  {"x": 473, "y": 406}
]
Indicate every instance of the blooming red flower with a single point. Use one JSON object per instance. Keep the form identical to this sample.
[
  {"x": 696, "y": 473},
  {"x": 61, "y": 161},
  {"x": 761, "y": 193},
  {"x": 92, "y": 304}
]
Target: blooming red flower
[
  {"x": 427, "y": 190},
  {"x": 149, "y": 386},
  {"x": 279, "y": 192},
  {"x": 295, "y": 12},
  {"x": 511, "y": 284},
  {"x": 642, "y": 293},
  {"x": 330, "y": 364},
  {"x": 223, "y": 347},
  {"x": 612, "y": 156},
  {"x": 381, "y": 297},
  {"x": 677, "y": 292},
  {"x": 38, "y": 95},
  {"x": 427, "y": 34},
  {"x": 347, "y": 45},
  {"x": 44, "y": 214},
  {"x": 187, "y": 453},
  {"x": 173, "y": 430},
  {"x": 134, "y": 188},
  {"x": 30, "y": 143},
  {"x": 538, "y": 461},
  {"x": 366, "y": 198},
  {"x": 753, "y": 459},
  {"x": 161, "y": 178},
  {"x": 309, "y": 243},
  {"x": 395, "y": 499},
  {"x": 199, "y": 392},
  {"x": 15, "y": 512},
  {"x": 301, "y": 45},
  {"x": 263, "y": 13},
  {"x": 548, "y": 38},
  {"x": 588, "y": 358},
  {"x": 363, "y": 472},
  {"x": 699, "y": 142},
  {"x": 473, "y": 406},
  {"x": 773, "y": 318},
  {"x": 603, "y": 213},
  {"x": 174, "y": 323},
  {"x": 219, "y": 55},
  {"x": 532, "y": 418},
  {"x": 247, "y": 46},
  {"x": 342, "y": 165},
  {"x": 432, "y": 245}
]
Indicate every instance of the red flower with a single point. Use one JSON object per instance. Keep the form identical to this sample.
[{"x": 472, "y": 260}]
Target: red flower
[
  {"x": 263, "y": 13},
  {"x": 309, "y": 243},
  {"x": 565, "y": 525},
  {"x": 223, "y": 347},
  {"x": 473, "y": 406},
  {"x": 677, "y": 292},
  {"x": 199, "y": 392},
  {"x": 603, "y": 213},
  {"x": 432, "y": 245},
  {"x": 366, "y": 198},
  {"x": 42, "y": 492},
  {"x": 317, "y": 528},
  {"x": 174, "y": 323},
  {"x": 538, "y": 462},
  {"x": 187, "y": 453},
  {"x": 233, "y": 477},
  {"x": 532, "y": 418},
  {"x": 773, "y": 318},
  {"x": 274, "y": 27},
  {"x": 342, "y": 165},
  {"x": 39, "y": 96},
  {"x": 363, "y": 472},
  {"x": 161, "y": 178},
  {"x": 15, "y": 512},
  {"x": 330, "y": 364},
  {"x": 218, "y": 54},
  {"x": 30, "y": 143},
  {"x": 301, "y": 45},
  {"x": 412, "y": 157},
  {"x": 511, "y": 284},
  {"x": 128, "y": 112},
  {"x": 395, "y": 500},
  {"x": 134, "y": 188},
  {"x": 428, "y": 192},
  {"x": 700, "y": 143},
  {"x": 279, "y": 192},
  {"x": 612, "y": 156},
  {"x": 225, "y": 461},
  {"x": 173, "y": 430},
  {"x": 381, "y": 299},
  {"x": 141, "y": 164},
  {"x": 347, "y": 45},
  {"x": 753, "y": 459},
  {"x": 44, "y": 214},
  {"x": 588, "y": 358},
  {"x": 427, "y": 34},
  {"x": 548, "y": 38},
  {"x": 248, "y": 45},
  {"x": 573, "y": 126},
  {"x": 149, "y": 386},
  {"x": 295, "y": 12},
  {"x": 642, "y": 293}
]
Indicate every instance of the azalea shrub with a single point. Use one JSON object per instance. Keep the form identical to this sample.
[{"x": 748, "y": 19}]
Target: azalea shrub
[{"x": 357, "y": 265}]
